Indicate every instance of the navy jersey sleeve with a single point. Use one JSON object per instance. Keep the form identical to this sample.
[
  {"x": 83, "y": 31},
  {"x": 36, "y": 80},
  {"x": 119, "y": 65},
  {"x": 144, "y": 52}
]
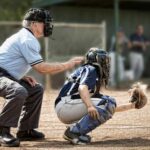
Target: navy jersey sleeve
[{"x": 88, "y": 77}]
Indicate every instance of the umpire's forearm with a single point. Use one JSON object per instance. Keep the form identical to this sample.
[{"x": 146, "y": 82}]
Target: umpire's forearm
[
  {"x": 125, "y": 107},
  {"x": 51, "y": 68}
]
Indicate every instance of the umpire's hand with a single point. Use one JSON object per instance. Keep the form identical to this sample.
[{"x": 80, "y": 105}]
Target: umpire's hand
[
  {"x": 75, "y": 61},
  {"x": 30, "y": 80}
]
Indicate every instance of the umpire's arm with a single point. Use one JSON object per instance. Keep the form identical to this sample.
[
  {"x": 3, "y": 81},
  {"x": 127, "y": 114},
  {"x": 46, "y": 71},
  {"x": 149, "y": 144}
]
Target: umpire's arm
[{"x": 53, "y": 68}]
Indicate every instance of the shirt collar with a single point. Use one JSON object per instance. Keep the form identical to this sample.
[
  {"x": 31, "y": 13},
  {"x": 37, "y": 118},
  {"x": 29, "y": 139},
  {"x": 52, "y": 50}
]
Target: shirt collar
[{"x": 29, "y": 30}]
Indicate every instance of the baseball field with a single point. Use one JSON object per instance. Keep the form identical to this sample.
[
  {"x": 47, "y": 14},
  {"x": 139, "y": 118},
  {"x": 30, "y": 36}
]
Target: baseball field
[{"x": 125, "y": 131}]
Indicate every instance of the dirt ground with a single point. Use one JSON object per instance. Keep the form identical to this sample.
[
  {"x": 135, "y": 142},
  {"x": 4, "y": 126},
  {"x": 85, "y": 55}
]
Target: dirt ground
[{"x": 125, "y": 131}]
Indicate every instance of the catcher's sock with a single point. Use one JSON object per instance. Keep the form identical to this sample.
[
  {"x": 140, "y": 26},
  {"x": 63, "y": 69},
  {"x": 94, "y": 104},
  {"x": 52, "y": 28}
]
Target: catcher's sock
[
  {"x": 76, "y": 138},
  {"x": 30, "y": 135}
]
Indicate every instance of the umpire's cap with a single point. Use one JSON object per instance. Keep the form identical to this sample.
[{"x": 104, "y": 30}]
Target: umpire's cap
[{"x": 37, "y": 14}]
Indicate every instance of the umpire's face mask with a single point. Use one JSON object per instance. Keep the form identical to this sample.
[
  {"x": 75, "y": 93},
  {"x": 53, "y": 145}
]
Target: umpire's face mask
[{"x": 48, "y": 27}]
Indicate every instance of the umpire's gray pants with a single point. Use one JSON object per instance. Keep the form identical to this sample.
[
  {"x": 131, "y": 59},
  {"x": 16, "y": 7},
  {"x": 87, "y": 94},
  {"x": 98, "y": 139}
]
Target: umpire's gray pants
[{"x": 22, "y": 105}]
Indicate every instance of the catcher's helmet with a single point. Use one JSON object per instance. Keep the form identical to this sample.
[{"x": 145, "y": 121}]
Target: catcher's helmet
[
  {"x": 40, "y": 15},
  {"x": 101, "y": 60},
  {"x": 97, "y": 56}
]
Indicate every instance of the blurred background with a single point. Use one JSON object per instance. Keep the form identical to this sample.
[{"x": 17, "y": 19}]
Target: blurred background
[{"x": 119, "y": 26}]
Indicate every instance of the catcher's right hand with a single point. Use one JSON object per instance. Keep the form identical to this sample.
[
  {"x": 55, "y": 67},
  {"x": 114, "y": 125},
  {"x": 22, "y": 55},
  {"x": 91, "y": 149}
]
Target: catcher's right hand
[{"x": 138, "y": 95}]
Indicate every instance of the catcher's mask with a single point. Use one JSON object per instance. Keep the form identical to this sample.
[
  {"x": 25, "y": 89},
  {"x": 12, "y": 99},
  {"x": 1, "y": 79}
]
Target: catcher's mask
[
  {"x": 40, "y": 15},
  {"x": 97, "y": 57},
  {"x": 101, "y": 60}
]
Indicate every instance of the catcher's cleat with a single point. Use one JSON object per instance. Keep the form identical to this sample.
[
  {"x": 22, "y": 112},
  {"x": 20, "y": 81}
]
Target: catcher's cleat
[
  {"x": 30, "y": 135},
  {"x": 75, "y": 138}
]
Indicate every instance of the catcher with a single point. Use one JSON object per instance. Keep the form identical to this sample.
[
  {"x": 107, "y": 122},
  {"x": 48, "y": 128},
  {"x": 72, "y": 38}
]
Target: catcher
[{"x": 81, "y": 103}]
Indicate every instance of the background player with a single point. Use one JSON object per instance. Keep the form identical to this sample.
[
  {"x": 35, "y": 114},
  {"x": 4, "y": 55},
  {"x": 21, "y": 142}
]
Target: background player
[{"x": 80, "y": 102}]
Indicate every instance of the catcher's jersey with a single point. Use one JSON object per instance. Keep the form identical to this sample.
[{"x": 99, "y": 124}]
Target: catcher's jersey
[
  {"x": 19, "y": 52},
  {"x": 84, "y": 75}
]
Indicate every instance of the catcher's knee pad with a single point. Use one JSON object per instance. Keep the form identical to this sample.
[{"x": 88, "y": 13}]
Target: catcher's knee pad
[{"x": 107, "y": 104}]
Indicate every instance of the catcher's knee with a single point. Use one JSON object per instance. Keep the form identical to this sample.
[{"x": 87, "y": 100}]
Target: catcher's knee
[
  {"x": 106, "y": 109},
  {"x": 111, "y": 108}
]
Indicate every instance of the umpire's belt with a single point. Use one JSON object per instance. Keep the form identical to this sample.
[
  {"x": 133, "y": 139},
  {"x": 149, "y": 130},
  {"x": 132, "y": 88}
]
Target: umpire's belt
[{"x": 4, "y": 73}]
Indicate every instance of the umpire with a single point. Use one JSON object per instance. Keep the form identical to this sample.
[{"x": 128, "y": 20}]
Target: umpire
[{"x": 23, "y": 95}]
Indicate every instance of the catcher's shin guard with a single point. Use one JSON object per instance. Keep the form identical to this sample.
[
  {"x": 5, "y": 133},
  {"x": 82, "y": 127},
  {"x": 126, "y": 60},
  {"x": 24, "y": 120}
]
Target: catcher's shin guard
[{"x": 87, "y": 124}]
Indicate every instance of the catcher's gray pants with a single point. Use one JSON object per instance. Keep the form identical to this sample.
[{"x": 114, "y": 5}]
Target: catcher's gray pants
[
  {"x": 70, "y": 110},
  {"x": 22, "y": 104}
]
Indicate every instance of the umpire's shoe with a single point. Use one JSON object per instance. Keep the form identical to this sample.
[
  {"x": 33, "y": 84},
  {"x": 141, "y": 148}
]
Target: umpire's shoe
[
  {"x": 75, "y": 138},
  {"x": 6, "y": 139},
  {"x": 30, "y": 135}
]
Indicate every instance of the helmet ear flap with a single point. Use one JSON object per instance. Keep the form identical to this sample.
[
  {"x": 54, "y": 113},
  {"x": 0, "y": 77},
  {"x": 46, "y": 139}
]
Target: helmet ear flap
[{"x": 91, "y": 57}]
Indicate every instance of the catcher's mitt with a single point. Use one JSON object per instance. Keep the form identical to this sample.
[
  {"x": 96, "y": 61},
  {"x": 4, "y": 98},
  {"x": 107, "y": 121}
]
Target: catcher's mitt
[{"x": 138, "y": 95}]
